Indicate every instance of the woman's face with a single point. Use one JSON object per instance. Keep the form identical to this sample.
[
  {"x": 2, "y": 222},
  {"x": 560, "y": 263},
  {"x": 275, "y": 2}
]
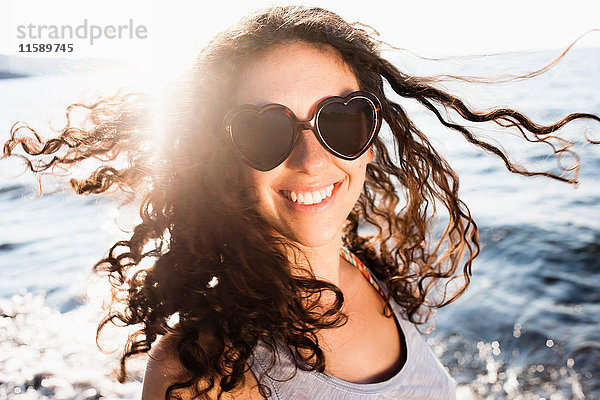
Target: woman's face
[{"x": 299, "y": 75}]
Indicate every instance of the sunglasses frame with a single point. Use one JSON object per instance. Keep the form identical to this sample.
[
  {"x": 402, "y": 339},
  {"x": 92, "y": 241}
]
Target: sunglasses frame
[{"x": 310, "y": 124}]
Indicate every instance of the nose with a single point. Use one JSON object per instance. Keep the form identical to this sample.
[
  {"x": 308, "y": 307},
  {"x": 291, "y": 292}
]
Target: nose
[{"x": 308, "y": 155}]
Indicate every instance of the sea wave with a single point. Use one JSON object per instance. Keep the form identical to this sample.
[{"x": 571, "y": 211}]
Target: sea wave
[{"x": 45, "y": 354}]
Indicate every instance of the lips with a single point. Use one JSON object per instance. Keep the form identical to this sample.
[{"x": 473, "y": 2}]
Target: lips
[{"x": 309, "y": 197}]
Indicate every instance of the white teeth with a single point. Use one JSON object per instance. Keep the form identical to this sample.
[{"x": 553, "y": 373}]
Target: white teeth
[
  {"x": 317, "y": 197},
  {"x": 308, "y": 198}
]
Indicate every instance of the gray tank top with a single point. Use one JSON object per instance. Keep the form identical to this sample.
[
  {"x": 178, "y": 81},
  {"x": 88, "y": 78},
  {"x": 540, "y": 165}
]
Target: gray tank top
[{"x": 422, "y": 377}]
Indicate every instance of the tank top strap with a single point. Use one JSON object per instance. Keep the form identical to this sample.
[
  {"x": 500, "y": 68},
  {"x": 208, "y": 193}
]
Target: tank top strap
[{"x": 352, "y": 259}]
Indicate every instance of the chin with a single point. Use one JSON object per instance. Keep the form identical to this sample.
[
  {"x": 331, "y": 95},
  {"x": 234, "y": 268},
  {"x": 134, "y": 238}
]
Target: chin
[{"x": 314, "y": 238}]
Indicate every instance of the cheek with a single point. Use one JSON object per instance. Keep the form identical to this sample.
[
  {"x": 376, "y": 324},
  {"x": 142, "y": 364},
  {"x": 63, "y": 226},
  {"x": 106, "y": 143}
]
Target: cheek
[
  {"x": 359, "y": 167},
  {"x": 250, "y": 181},
  {"x": 257, "y": 184}
]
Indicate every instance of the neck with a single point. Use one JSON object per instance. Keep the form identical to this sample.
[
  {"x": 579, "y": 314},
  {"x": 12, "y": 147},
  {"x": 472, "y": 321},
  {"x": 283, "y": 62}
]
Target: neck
[{"x": 324, "y": 260}]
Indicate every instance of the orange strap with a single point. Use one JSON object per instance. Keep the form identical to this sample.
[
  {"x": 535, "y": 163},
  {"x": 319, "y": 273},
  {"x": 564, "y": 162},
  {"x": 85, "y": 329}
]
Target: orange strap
[{"x": 352, "y": 259}]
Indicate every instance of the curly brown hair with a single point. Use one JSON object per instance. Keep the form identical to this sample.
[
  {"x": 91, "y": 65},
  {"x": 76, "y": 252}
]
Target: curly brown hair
[{"x": 195, "y": 229}]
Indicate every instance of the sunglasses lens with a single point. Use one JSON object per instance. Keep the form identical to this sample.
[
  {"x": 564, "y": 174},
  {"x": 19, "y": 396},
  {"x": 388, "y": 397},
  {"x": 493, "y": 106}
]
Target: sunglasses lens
[
  {"x": 347, "y": 128},
  {"x": 264, "y": 140}
]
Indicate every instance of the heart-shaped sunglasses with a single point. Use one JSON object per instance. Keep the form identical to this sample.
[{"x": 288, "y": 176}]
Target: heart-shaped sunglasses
[{"x": 265, "y": 136}]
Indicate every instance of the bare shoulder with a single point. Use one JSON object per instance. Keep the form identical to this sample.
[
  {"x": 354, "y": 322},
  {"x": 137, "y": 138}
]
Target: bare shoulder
[{"x": 164, "y": 369}]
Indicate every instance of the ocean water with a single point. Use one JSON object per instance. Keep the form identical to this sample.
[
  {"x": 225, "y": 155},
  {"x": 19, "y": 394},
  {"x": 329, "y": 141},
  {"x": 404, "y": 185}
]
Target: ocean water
[{"x": 527, "y": 328}]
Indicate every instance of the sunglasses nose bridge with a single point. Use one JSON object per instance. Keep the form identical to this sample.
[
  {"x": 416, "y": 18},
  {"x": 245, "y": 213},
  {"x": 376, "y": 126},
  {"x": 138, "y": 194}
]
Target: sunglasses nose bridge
[{"x": 305, "y": 125}]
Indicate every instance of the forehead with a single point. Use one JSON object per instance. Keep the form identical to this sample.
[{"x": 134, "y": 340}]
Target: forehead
[{"x": 294, "y": 74}]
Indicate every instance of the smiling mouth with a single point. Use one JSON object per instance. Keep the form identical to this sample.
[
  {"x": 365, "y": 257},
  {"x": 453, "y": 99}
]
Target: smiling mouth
[{"x": 309, "y": 198}]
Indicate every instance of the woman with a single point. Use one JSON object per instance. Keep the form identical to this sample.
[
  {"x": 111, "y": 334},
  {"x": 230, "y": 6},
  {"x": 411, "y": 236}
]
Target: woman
[{"x": 292, "y": 240}]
